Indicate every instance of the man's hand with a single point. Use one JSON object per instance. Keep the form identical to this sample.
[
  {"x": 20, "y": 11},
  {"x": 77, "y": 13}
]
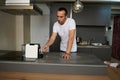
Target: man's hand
[
  {"x": 66, "y": 56},
  {"x": 44, "y": 48}
]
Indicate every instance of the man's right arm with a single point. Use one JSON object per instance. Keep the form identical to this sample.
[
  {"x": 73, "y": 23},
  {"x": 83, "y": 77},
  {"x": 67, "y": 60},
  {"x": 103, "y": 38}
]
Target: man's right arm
[{"x": 50, "y": 41}]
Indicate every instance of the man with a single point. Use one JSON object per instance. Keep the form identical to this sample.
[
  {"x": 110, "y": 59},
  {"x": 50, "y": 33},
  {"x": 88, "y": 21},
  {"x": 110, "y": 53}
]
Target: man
[{"x": 66, "y": 28}]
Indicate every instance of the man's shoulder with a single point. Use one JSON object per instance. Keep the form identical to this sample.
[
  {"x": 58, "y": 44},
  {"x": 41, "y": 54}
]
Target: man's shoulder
[
  {"x": 71, "y": 19},
  {"x": 56, "y": 23}
]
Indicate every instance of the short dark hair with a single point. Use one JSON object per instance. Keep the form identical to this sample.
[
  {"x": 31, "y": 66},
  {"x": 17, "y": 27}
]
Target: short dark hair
[{"x": 63, "y": 9}]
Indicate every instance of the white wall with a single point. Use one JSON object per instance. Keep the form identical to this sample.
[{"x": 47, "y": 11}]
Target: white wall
[
  {"x": 19, "y": 32},
  {"x": 39, "y": 29},
  {"x": 109, "y": 33},
  {"x": 12, "y": 30},
  {"x": 7, "y": 31}
]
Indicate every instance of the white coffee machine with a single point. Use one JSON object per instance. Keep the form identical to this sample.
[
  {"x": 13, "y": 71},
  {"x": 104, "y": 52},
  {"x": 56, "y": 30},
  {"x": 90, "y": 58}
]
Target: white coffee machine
[{"x": 30, "y": 51}]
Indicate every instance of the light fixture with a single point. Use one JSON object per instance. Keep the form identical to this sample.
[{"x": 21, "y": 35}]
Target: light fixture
[{"x": 77, "y": 6}]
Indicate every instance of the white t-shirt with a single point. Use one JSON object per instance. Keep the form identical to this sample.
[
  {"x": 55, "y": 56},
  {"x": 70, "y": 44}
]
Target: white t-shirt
[{"x": 63, "y": 31}]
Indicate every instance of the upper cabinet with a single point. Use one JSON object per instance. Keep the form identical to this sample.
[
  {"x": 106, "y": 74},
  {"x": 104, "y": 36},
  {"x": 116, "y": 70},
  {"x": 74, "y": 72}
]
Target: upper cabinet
[{"x": 93, "y": 15}]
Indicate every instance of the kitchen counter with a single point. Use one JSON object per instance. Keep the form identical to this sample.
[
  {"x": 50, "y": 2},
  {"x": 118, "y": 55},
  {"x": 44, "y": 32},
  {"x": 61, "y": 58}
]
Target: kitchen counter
[
  {"x": 90, "y": 46},
  {"x": 103, "y": 52},
  {"x": 52, "y": 63}
]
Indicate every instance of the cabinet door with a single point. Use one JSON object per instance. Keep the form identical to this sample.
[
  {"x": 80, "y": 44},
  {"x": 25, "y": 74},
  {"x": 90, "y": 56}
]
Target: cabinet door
[
  {"x": 53, "y": 8},
  {"x": 102, "y": 53},
  {"x": 84, "y": 50}
]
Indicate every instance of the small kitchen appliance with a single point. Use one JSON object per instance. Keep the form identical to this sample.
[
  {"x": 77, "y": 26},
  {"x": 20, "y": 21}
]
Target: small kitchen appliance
[{"x": 31, "y": 51}]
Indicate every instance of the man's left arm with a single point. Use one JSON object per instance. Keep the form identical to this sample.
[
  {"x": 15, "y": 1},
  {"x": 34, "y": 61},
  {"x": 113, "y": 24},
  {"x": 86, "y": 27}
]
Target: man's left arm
[
  {"x": 72, "y": 32},
  {"x": 66, "y": 55},
  {"x": 70, "y": 40}
]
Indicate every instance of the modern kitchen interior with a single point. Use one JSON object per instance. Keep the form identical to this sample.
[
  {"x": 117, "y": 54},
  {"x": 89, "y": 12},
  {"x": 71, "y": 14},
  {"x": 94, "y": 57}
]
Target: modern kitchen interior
[{"x": 30, "y": 23}]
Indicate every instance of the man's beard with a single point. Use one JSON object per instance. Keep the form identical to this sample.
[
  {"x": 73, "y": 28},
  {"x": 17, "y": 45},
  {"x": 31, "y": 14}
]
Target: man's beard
[{"x": 60, "y": 22}]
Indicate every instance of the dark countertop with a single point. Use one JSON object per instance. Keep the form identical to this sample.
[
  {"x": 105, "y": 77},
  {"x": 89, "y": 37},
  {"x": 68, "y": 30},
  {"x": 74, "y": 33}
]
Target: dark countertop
[
  {"x": 91, "y": 46},
  {"x": 53, "y": 63}
]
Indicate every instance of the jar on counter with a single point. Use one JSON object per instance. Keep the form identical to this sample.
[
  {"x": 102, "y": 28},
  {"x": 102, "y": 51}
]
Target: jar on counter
[{"x": 78, "y": 39}]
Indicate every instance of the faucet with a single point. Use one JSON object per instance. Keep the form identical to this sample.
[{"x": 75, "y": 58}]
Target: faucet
[{"x": 90, "y": 41}]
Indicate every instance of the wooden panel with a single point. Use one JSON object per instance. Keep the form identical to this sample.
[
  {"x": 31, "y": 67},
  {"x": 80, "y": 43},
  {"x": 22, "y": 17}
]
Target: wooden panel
[
  {"x": 114, "y": 73},
  {"x": 39, "y": 76}
]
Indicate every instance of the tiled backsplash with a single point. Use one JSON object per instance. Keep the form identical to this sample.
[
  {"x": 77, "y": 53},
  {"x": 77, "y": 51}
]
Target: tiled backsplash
[{"x": 91, "y": 33}]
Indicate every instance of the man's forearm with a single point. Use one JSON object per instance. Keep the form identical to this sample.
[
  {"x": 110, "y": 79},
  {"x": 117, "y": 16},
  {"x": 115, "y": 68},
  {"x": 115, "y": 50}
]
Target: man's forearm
[
  {"x": 70, "y": 41},
  {"x": 52, "y": 39},
  {"x": 69, "y": 46},
  {"x": 50, "y": 42}
]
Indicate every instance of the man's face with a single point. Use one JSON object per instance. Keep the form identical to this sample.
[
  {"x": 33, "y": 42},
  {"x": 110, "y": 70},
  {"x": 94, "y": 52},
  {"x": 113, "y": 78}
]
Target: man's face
[{"x": 61, "y": 17}]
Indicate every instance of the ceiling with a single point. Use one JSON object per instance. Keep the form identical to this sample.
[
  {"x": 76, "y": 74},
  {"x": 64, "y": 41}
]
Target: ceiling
[
  {"x": 115, "y": 4},
  {"x": 74, "y": 0},
  {"x": 88, "y": 1}
]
